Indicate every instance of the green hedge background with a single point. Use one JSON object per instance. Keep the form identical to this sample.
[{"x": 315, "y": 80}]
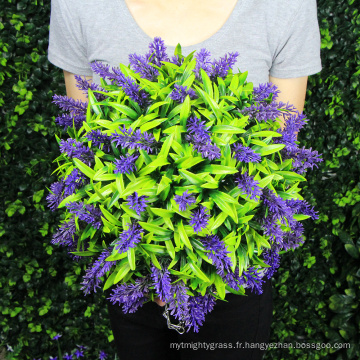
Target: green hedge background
[{"x": 316, "y": 289}]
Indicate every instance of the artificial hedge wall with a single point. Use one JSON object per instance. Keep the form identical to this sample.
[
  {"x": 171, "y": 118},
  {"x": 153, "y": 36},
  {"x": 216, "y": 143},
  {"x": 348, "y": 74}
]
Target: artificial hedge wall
[{"x": 316, "y": 292}]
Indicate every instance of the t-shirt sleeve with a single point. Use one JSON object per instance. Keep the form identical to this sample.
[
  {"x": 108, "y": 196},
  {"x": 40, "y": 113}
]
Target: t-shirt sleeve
[
  {"x": 67, "y": 49},
  {"x": 298, "y": 53}
]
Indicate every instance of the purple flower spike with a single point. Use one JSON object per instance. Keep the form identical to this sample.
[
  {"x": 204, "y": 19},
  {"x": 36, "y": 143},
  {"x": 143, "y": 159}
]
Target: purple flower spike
[
  {"x": 129, "y": 238},
  {"x": 218, "y": 254},
  {"x": 55, "y": 197},
  {"x": 180, "y": 92},
  {"x": 90, "y": 214},
  {"x": 126, "y": 164},
  {"x": 98, "y": 269},
  {"x": 161, "y": 281},
  {"x": 199, "y": 306},
  {"x": 74, "y": 181},
  {"x": 203, "y": 61},
  {"x": 199, "y": 219},
  {"x": 142, "y": 141},
  {"x": 157, "y": 52},
  {"x": 137, "y": 203},
  {"x": 245, "y": 154},
  {"x": 131, "y": 296},
  {"x": 102, "y": 355},
  {"x": 84, "y": 85},
  {"x": 263, "y": 91},
  {"x": 76, "y": 149},
  {"x": 184, "y": 200},
  {"x": 56, "y": 337},
  {"x": 248, "y": 185},
  {"x": 66, "y": 120},
  {"x": 140, "y": 64},
  {"x": 98, "y": 138},
  {"x": 223, "y": 65},
  {"x": 69, "y": 104}
]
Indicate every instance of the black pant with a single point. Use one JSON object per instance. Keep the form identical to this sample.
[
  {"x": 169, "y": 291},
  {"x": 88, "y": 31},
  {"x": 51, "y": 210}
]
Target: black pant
[{"x": 242, "y": 321}]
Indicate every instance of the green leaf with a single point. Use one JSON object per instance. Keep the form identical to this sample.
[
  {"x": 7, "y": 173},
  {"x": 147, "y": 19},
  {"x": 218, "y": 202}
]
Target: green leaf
[
  {"x": 219, "y": 169},
  {"x": 84, "y": 168},
  {"x": 196, "y": 270},
  {"x": 265, "y": 134},
  {"x": 131, "y": 258},
  {"x": 111, "y": 218},
  {"x": 227, "y": 129},
  {"x": 185, "y": 111},
  {"x": 157, "y": 230},
  {"x": 207, "y": 83},
  {"x": 220, "y": 286},
  {"x": 158, "y": 249},
  {"x": 289, "y": 175},
  {"x": 170, "y": 248},
  {"x": 124, "y": 268},
  {"x": 124, "y": 110},
  {"x": 162, "y": 212},
  {"x": 183, "y": 236},
  {"x": 192, "y": 178},
  {"x": 270, "y": 149}
]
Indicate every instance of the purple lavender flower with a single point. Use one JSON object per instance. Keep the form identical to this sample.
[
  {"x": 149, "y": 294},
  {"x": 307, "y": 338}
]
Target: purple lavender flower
[
  {"x": 131, "y": 88},
  {"x": 84, "y": 85},
  {"x": 303, "y": 159},
  {"x": 177, "y": 60},
  {"x": 264, "y": 111},
  {"x": 126, "y": 164},
  {"x": 218, "y": 253},
  {"x": 273, "y": 230},
  {"x": 253, "y": 279},
  {"x": 98, "y": 138},
  {"x": 55, "y": 197},
  {"x": 221, "y": 67},
  {"x": 180, "y": 92},
  {"x": 184, "y": 200},
  {"x": 293, "y": 124},
  {"x": 199, "y": 136},
  {"x": 76, "y": 107},
  {"x": 137, "y": 203},
  {"x": 129, "y": 238},
  {"x": 57, "y": 337},
  {"x": 197, "y": 128},
  {"x": 263, "y": 91},
  {"x": 301, "y": 207},
  {"x": 140, "y": 64},
  {"x": 178, "y": 300},
  {"x": 90, "y": 214},
  {"x": 67, "y": 120},
  {"x": 199, "y": 219},
  {"x": 131, "y": 296},
  {"x": 68, "y": 356},
  {"x": 78, "y": 353},
  {"x": 293, "y": 238},
  {"x": 162, "y": 282},
  {"x": 65, "y": 235},
  {"x": 199, "y": 306},
  {"x": 99, "y": 268},
  {"x": 102, "y": 70},
  {"x": 248, "y": 185},
  {"x": 157, "y": 52},
  {"x": 245, "y": 154},
  {"x": 102, "y": 355},
  {"x": 76, "y": 149},
  {"x": 277, "y": 206},
  {"x": 271, "y": 258},
  {"x": 53, "y": 358},
  {"x": 203, "y": 61},
  {"x": 75, "y": 180},
  {"x": 137, "y": 140}
]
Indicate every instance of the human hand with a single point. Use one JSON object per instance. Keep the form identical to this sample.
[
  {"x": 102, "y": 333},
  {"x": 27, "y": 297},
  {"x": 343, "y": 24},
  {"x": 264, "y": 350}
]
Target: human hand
[{"x": 159, "y": 302}]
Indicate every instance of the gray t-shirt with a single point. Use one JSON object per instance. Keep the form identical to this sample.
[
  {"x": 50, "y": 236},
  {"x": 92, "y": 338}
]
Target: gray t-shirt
[{"x": 280, "y": 38}]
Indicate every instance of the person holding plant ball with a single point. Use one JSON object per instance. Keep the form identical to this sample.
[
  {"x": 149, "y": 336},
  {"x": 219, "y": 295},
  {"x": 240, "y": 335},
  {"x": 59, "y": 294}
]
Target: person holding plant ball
[{"x": 277, "y": 41}]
